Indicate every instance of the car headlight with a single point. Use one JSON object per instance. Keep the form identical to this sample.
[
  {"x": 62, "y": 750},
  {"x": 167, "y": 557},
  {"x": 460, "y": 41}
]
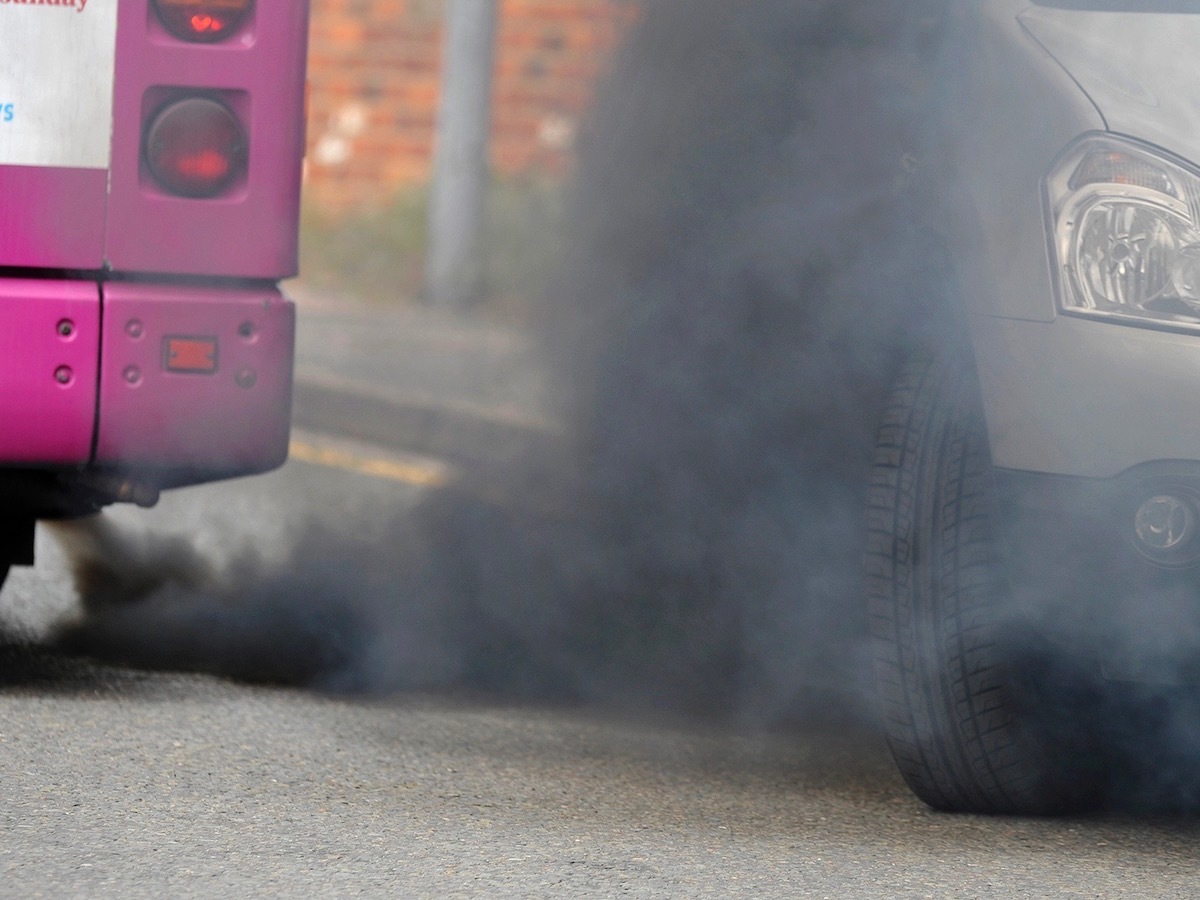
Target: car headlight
[{"x": 1126, "y": 234}]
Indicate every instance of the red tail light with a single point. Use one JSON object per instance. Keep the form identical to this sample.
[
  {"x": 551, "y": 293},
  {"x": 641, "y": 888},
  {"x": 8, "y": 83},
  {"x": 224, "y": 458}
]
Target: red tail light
[
  {"x": 196, "y": 147},
  {"x": 202, "y": 20}
]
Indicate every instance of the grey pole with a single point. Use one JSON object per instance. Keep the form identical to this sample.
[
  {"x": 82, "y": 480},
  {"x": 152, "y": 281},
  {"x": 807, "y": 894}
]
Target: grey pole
[{"x": 460, "y": 167}]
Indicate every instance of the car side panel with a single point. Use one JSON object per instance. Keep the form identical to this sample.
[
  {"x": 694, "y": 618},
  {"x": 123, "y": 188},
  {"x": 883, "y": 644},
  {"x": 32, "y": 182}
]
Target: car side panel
[{"x": 1010, "y": 110}]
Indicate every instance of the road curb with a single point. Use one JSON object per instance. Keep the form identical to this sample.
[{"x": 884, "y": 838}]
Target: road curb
[{"x": 461, "y": 433}]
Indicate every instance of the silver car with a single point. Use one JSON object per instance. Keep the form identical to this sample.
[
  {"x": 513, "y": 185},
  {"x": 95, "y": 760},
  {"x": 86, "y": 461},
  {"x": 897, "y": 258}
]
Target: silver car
[{"x": 1034, "y": 515}]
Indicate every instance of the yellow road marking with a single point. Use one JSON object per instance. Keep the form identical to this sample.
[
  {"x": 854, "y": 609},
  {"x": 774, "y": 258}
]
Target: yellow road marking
[{"x": 415, "y": 473}]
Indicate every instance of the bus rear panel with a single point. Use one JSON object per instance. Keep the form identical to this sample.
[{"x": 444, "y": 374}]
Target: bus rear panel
[{"x": 150, "y": 164}]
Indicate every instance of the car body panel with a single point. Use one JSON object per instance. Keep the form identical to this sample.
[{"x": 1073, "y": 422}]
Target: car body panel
[
  {"x": 1010, "y": 110},
  {"x": 1139, "y": 69},
  {"x": 1087, "y": 398},
  {"x": 1063, "y": 395}
]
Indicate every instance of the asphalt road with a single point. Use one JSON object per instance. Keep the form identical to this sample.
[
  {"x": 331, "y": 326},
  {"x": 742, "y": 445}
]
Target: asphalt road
[{"x": 132, "y": 784}]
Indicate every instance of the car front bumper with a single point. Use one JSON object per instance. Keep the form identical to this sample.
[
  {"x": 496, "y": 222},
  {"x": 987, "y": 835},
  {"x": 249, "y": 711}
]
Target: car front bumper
[{"x": 1078, "y": 397}]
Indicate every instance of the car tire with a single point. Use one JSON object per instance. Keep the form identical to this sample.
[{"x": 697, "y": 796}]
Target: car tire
[{"x": 963, "y": 685}]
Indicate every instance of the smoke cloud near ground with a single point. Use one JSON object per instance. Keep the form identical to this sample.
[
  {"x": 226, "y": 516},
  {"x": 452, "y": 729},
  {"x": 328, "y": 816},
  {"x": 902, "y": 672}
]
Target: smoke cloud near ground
[
  {"x": 746, "y": 262},
  {"x": 741, "y": 278},
  {"x": 751, "y": 252}
]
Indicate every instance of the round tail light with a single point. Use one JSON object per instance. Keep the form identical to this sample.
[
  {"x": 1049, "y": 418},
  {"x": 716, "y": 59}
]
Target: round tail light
[
  {"x": 196, "y": 147},
  {"x": 202, "y": 20}
]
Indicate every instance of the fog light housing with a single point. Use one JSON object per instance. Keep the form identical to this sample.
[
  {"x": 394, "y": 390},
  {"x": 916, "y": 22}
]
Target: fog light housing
[{"x": 1166, "y": 525}]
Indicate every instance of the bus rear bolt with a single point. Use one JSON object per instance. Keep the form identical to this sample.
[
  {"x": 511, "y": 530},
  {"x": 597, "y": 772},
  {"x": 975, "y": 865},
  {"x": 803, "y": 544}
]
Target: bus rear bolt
[
  {"x": 133, "y": 328},
  {"x": 63, "y": 374},
  {"x": 132, "y": 374},
  {"x": 66, "y": 328}
]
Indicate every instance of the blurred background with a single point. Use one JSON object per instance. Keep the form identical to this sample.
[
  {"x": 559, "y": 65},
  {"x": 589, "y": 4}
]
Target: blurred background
[{"x": 375, "y": 76}]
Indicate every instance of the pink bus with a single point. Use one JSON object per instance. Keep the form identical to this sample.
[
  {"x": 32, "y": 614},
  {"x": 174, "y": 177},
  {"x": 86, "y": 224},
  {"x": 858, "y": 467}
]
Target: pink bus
[{"x": 150, "y": 160}]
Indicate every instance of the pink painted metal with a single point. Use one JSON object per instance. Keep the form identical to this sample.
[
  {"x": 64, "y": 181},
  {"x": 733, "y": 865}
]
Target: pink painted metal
[
  {"x": 235, "y": 421},
  {"x": 48, "y": 365},
  {"x": 84, "y": 380},
  {"x": 52, "y": 217},
  {"x": 259, "y": 73}
]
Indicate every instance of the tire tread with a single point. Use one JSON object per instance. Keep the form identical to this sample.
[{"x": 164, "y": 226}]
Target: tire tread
[{"x": 942, "y": 673}]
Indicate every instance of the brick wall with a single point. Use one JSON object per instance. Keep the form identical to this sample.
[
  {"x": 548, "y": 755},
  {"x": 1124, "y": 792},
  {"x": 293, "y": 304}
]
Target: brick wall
[{"x": 374, "y": 72}]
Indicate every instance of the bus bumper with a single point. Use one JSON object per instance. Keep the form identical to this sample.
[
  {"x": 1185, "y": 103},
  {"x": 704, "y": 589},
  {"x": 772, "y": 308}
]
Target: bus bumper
[
  {"x": 171, "y": 384},
  {"x": 195, "y": 382}
]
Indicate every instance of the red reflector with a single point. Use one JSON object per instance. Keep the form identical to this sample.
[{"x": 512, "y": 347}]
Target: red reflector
[
  {"x": 195, "y": 147},
  {"x": 197, "y": 355}
]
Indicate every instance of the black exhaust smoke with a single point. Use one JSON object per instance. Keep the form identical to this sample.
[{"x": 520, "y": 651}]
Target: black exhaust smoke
[
  {"x": 749, "y": 255},
  {"x": 751, "y": 252}
]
